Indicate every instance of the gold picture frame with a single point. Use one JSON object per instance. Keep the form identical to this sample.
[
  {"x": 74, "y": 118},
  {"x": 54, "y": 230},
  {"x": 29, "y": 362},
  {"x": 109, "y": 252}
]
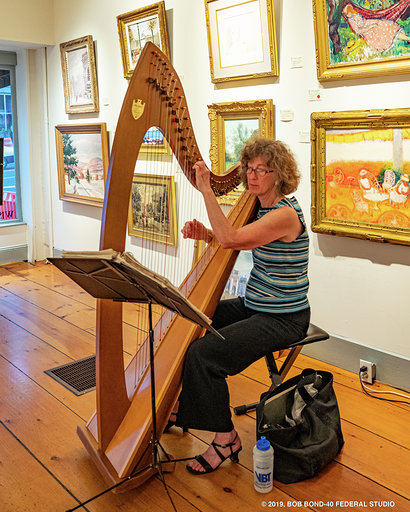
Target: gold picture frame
[
  {"x": 152, "y": 210},
  {"x": 79, "y": 76},
  {"x": 137, "y": 27},
  {"x": 241, "y": 39},
  {"x": 360, "y": 174},
  {"x": 346, "y": 48},
  {"x": 82, "y": 162},
  {"x": 238, "y": 120}
]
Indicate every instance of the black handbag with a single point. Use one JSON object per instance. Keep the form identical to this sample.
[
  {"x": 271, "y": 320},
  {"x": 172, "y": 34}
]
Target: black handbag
[{"x": 302, "y": 422}]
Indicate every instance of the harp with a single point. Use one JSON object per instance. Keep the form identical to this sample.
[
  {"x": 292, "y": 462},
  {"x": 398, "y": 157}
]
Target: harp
[{"x": 118, "y": 435}]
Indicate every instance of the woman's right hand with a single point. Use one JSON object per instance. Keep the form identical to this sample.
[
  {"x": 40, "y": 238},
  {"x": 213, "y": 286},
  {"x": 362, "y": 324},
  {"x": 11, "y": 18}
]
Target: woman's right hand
[{"x": 196, "y": 230}]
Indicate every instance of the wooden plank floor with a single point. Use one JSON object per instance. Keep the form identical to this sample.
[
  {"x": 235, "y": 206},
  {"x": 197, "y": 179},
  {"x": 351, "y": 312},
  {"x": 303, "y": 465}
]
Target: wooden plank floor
[{"x": 46, "y": 321}]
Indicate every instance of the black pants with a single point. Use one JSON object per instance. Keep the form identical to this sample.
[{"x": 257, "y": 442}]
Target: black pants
[{"x": 249, "y": 335}]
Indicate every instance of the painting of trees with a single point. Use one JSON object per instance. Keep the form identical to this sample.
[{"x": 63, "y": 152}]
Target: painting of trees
[{"x": 70, "y": 158}]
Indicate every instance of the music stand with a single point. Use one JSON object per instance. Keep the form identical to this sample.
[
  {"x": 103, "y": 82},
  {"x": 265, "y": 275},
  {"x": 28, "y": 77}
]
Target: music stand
[{"x": 126, "y": 280}]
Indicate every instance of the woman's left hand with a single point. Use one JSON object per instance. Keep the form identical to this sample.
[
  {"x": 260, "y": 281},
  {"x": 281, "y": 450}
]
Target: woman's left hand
[{"x": 203, "y": 176}]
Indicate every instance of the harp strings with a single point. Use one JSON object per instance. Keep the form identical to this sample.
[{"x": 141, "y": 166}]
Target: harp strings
[{"x": 161, "y": 171}]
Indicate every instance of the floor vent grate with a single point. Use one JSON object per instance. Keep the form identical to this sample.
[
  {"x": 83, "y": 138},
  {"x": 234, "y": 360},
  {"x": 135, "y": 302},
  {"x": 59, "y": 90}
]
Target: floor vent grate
[{"x": 77, "y": 376}]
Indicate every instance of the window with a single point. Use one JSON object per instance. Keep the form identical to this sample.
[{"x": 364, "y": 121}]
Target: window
[{"x": 10, "y": 211}]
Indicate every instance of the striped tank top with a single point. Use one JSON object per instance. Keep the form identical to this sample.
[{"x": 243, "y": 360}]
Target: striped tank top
[{"x": 278, "y": 282}]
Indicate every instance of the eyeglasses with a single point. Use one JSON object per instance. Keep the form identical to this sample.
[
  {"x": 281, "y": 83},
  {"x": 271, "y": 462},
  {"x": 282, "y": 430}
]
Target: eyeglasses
[{"x": 258, "y": 171}]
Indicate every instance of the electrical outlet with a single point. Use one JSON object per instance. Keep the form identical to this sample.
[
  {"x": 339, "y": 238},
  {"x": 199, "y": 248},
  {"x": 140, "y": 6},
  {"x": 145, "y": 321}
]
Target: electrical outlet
[{"x": 369, "y": 374}]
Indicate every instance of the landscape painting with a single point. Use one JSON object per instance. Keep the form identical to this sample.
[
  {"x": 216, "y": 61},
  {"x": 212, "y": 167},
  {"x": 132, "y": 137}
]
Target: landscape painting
[
  {"x": 136, "y": 28},
  {"x": 155, "y": 142},
  {"x": 79, "y": 75},
  {"x": 232, "y": 124},
  {"x": 237, "y": 132},
  {"x": 82, "y": 162},
  {"x": 152, "y": 212}
]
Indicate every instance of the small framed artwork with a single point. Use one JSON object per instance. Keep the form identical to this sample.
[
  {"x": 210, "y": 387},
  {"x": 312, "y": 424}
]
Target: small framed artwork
[
  {"x": 153, "y": 209},
  {"x": 82, "y": 162},
  {"x": 155, "y": 142},
  {"x": 232, "y": 124},
  {"x": 79, "y": 76},
  {"x": 135, "y": 28},
  {"x": 241, "y": 39},
  {"x": 361, "y": 38},
  {"x": 361, "y": 174}
]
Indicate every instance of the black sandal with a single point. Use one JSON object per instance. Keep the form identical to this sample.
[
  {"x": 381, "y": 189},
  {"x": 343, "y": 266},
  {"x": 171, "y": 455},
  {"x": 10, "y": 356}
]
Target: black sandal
[{"x": 205, "y": 464}]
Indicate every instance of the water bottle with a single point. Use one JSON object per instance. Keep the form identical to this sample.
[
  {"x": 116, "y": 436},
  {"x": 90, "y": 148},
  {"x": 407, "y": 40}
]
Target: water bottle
[{"x": 263, "y": 465}]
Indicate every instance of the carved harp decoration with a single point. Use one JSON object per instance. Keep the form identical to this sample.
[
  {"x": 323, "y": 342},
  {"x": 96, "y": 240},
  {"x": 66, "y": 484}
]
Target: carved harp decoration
[{"x": 119, "y": 433}]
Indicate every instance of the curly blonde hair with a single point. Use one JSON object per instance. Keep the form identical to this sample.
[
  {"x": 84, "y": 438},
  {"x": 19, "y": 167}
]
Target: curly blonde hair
[{"x": 278, "y": 157}]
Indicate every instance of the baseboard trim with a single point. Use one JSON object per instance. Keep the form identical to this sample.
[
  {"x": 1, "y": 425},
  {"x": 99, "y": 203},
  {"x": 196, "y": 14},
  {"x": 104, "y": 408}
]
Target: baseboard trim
[
  {"x": 391, "y": 369},
  {"x": 13, "y": 253},
  {"x": 57, "y": 253}
]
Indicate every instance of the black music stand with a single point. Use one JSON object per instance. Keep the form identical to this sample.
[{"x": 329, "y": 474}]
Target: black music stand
[{"x": 124, "y": 282}]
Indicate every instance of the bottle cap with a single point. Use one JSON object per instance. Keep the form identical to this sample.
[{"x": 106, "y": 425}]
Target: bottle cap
[{"x": 262, "y": 444}]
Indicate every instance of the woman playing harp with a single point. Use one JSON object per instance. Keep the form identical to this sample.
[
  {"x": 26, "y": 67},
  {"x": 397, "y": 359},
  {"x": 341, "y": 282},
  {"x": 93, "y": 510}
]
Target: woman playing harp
[{"x": 275, "y": 312}]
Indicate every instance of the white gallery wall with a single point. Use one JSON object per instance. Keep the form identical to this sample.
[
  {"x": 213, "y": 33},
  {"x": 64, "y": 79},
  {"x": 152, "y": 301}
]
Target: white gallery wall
[{"x": 359, "y": 289}]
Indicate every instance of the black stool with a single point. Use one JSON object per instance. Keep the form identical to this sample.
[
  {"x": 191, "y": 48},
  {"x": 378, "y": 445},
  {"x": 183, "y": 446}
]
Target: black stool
[{"x": 313, "y": 335}]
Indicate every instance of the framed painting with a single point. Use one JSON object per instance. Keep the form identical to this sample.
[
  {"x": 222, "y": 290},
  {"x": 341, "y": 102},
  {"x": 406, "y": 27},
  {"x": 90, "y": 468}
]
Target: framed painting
[
  {"x": 137, "y": 27},
  {"x": 241, "y": 39},
  {"x": 360, "y": 174},
  {"x": 232, "y": 124},
  {"x": 82, "y": 162},
  {"x": 152, "y": 212},
  {"x": 361, "y": 38},
  {"x": 79, "y": 76},
  {"x": 155, "y": 142}
]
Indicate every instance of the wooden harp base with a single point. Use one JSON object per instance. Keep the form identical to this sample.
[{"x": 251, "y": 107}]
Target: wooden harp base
[{"x": 110, "y": 475}]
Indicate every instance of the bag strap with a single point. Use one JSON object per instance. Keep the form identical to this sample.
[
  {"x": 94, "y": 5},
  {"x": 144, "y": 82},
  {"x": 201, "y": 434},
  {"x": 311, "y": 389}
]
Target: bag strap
[{"x": 308, "y": 377}]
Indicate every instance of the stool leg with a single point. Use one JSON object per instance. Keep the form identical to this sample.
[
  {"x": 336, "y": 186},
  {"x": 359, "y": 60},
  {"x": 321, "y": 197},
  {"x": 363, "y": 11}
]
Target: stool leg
[
  {"x": 287, "y": 364},
  {"x": 275, "y": 378}
]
